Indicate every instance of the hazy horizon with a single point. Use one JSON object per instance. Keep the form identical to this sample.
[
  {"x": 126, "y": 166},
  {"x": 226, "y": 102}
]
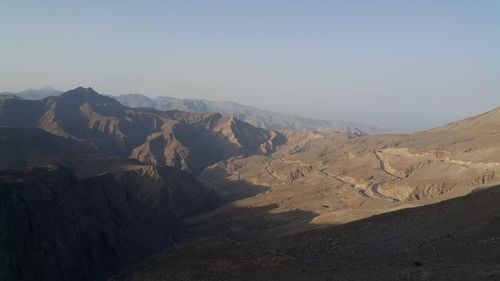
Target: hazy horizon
[
  {"x": 403, "y": 66},
  {"x": 407, "y": 126}
]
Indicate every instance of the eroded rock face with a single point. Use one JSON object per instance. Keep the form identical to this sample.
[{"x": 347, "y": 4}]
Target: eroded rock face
[
  {"x": 191, "y": 142},
  {"x": 54, "y": 226}
]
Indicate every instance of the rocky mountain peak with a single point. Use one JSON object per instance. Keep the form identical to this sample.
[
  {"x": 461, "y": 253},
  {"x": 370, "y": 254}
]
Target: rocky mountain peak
[
  {"x": 87, "y": 94},
  {"x": 101, "y": 104}
]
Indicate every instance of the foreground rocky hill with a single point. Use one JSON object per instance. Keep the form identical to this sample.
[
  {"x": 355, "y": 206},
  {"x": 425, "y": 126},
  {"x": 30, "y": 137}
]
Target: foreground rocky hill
[
  {"x": 452, "y": 240},
  {"x": 57, "y": 227}
]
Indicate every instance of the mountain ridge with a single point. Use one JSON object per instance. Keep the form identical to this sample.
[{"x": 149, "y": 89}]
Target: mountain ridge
[
  {"x": 34, "y": 94},
  {"x": 153, "y": 136},
  {"x": 250, "y": 114},
  {"x": 260, "y": 118}
]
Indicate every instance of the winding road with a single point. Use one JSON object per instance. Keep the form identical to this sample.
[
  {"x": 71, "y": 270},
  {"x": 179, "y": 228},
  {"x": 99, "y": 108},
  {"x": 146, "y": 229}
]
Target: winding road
[
  {"x": 380, "y": 195},
  {"x": 383, "y": 165},
  {"x": 373, "y": 194},
  {"x": 237, "y": 174},
  {"x": 271, "y": 173}
]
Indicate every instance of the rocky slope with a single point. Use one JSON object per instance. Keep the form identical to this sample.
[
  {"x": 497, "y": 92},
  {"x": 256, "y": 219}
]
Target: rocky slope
[
  {"x": 156, "y": 186},
  {"x": 192, "y": 142},
  {"x": 56, "y": 226},
  {"x": 456, "y": 239}
]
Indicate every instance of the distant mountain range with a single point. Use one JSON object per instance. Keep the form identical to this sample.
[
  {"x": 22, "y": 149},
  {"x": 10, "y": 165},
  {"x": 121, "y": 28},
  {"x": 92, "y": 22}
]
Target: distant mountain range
[
  {"x": 34, "y": 94},
  {"x": 252, "y": 115}
]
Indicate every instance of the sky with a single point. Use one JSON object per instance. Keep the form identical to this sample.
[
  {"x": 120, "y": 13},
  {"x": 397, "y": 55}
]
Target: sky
[{"x": 401, "y": 65}]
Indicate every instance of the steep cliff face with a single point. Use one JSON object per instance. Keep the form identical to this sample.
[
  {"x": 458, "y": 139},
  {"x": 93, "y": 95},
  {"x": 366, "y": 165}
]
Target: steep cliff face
[{"x": 54, "y": 226}]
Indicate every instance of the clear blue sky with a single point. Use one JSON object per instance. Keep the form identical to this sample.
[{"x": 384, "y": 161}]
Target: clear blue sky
[{"x": 402, "y": 65}]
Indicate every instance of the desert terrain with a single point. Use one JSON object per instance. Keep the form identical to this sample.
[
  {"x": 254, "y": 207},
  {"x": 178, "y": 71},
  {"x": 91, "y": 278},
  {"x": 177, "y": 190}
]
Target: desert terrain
[{"x": 93, "y": 189}]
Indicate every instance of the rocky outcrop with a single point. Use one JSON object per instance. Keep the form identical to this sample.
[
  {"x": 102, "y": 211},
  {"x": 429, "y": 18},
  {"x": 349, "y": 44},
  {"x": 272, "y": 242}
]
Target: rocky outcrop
[{"x": 54, "y": 226}]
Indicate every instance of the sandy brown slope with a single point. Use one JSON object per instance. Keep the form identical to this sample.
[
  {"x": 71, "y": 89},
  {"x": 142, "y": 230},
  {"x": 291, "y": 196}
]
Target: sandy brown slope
[
  {"x": 452, "y": 240},
  {"x": 340, "y": 179}
]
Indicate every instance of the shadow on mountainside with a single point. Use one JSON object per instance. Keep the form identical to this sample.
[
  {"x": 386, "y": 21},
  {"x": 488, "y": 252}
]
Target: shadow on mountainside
[
  {"x": 229, "y": 189},
  {"x": 243, "y": 223},
  {"x": 458, "y": 239}
]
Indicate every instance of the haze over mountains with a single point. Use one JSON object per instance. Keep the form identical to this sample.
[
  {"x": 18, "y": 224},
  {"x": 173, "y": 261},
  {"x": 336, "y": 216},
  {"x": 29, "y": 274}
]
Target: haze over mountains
[
  {"x": 90, "y": 186},
  {"x": 257, "y": 117}
]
